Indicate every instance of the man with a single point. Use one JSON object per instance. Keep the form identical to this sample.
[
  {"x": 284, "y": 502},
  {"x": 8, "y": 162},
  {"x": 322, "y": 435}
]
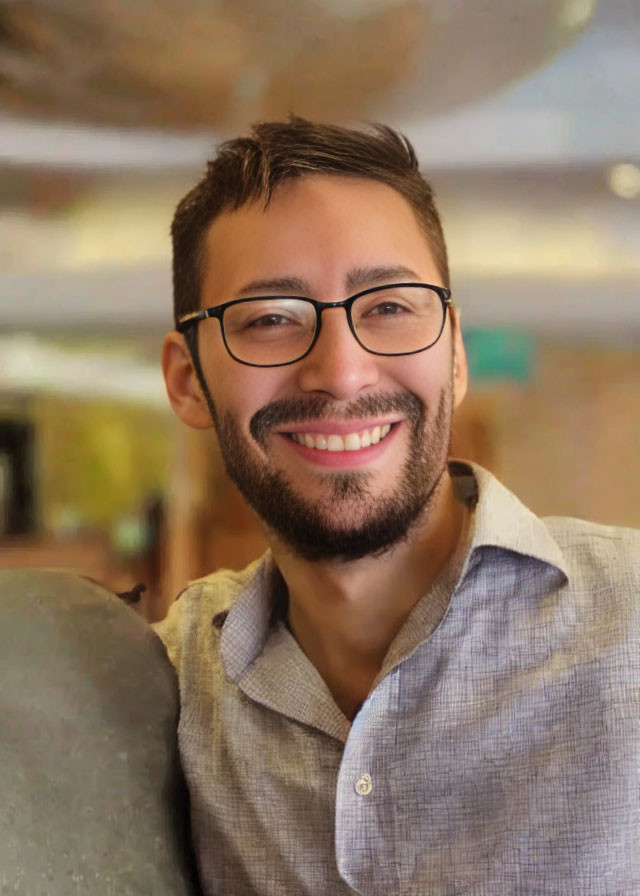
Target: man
[{"x": 422, "y": 688}]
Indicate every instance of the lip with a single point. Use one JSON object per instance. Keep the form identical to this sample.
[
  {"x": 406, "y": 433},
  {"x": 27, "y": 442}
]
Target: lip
[
  {"x": 336, "y": 427},
  {"x": 343, "y": 460}
]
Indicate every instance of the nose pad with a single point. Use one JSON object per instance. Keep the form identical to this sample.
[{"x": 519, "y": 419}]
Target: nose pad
[{"x": 337, "y": 365}]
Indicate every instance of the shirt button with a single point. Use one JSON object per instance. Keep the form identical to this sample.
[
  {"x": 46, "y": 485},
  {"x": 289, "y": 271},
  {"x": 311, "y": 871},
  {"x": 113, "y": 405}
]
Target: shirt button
[{"x": 364, "y": 785}]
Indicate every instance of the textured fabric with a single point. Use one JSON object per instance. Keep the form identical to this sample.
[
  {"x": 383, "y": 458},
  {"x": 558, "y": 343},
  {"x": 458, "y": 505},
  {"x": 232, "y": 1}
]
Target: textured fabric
[
  {"x": 93, "y": 800},
  {"x": 498, "y": 753}
]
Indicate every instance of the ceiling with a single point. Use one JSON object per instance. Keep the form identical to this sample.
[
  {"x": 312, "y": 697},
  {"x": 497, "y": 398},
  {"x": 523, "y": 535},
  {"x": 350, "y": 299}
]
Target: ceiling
[
  {"x": 219, "y": 64},
  {"x": 520, "y": 114}
]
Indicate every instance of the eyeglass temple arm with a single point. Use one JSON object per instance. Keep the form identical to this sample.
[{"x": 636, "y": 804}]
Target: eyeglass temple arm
[{"x": 186, "y": 320}]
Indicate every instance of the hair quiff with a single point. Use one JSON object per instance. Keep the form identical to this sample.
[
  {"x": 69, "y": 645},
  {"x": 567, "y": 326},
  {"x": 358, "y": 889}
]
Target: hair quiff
[{"x": 250, "y": 169}]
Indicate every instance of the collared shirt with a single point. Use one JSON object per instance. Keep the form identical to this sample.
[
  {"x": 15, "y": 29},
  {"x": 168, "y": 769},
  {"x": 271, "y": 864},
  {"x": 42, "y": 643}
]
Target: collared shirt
[{"x": 498, "y": 753}]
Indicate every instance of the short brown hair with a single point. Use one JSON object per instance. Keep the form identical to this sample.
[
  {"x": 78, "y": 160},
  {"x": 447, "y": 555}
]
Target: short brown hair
[{"x": 249, "y": 169}]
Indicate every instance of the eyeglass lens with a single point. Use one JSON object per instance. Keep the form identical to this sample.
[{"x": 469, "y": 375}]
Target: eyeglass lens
[{"x": 274, "y": 330}]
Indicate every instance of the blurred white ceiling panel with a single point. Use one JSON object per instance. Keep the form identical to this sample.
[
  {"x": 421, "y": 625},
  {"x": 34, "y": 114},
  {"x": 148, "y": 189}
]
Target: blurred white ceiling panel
[
  {"x": 34, "y": 144},
  {"x": 118, "y": 298}
]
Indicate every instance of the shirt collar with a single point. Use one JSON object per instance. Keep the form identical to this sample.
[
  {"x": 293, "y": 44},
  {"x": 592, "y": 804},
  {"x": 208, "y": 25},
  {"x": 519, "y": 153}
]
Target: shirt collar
[
  {"x": 251, "y": 617},
  {"x": 499, "y": 521}
]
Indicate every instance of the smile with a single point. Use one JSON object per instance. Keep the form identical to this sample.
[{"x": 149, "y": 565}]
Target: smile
[{"x": 352, "y": 441}]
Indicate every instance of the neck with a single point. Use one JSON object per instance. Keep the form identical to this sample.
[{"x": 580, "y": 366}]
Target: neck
[{"x": 345, "y": 615}]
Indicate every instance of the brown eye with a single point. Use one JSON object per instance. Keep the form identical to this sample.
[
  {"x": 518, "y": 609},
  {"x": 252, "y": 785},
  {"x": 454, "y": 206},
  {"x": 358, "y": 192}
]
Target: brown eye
[{"x": 387, "y": 309}]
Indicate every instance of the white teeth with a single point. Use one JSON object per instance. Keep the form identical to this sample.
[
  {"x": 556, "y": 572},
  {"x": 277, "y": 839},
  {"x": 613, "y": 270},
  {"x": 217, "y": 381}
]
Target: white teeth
[{"x": 353, "y": 441}]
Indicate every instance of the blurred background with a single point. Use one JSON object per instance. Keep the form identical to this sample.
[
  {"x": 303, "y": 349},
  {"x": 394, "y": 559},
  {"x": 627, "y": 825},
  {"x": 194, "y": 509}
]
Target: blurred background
[{"x": 526, "y": 118}]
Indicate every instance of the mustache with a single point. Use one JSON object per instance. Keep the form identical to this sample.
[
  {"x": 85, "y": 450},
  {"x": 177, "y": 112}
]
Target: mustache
[{"x": 306, "y": 410}]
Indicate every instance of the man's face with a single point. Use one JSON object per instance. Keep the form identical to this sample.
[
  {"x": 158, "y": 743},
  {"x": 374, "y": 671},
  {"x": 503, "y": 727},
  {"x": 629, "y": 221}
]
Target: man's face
[{"x": 326, "y": 238}]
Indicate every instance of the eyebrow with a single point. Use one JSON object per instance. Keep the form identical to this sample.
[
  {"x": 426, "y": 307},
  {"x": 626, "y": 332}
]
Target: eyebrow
[
  {"x": 358, "y": 278},
  {"x": 293, "y": 285}
]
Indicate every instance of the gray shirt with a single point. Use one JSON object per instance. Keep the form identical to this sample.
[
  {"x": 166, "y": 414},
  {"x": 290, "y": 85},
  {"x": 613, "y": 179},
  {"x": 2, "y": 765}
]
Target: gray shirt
[{"x": 498, "y": 753}]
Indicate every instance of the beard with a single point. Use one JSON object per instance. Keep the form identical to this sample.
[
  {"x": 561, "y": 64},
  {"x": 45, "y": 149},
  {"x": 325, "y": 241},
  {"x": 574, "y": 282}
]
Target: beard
[{"x": 324, "y": 529}]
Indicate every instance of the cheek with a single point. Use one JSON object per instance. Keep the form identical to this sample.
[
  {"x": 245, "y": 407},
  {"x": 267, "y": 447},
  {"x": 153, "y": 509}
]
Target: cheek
[
  {"x": 241, "y": 391},
  {"x": 427, "y": 375}
]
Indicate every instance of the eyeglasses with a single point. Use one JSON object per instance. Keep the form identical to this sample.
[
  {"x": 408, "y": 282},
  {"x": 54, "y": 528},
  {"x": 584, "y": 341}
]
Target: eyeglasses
[{"x": 272, "y": 331}]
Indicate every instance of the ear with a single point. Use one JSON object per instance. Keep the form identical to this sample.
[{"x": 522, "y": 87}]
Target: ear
[
  {"x": 182, "y": 383},
  {"x": 460, "y": 366}
]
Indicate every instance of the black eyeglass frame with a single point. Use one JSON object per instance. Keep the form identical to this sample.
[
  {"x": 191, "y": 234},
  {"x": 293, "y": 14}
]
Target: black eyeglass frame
[{"x": 187, "y": 321}]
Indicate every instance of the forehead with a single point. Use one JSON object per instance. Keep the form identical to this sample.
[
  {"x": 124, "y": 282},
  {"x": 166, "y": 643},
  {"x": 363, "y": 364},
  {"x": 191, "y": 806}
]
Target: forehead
[{"x": 316, "y": 228}]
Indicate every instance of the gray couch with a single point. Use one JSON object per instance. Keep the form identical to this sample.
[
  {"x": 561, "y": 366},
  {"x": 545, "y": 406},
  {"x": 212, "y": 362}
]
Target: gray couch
[{"x": 92, "y": 797}]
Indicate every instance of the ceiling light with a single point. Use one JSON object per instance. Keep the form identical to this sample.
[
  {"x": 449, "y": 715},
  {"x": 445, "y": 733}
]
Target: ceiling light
[{"x": 624, "y": 180}]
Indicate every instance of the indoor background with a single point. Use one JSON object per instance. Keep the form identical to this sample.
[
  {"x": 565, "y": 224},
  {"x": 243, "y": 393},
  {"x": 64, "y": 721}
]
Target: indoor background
[{"x": 526, "y": 119}]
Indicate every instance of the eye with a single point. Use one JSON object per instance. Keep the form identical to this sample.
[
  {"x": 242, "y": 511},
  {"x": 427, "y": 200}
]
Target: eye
[
  {"x": 387, "y": 309},
  {"x": 263, "y": 316},
  {"x": 269, "y": 320}
]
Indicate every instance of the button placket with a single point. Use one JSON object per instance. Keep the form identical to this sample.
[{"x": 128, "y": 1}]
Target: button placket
[{"x": 360, "y": 830}]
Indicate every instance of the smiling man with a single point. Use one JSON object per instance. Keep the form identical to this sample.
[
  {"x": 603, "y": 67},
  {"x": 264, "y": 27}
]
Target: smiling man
[{"x": 422, "y": 687}]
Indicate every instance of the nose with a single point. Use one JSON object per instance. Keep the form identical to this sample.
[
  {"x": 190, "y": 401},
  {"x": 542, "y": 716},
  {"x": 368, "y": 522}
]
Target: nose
[{"x": 337, "y": 365}]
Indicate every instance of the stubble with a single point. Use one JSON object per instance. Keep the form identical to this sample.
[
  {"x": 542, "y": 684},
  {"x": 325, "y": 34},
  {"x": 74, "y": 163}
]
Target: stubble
[{"x": 316, "y": 530}]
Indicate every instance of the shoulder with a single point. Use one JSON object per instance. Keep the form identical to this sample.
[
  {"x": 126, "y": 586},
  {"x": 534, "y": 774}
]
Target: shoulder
[
  {"x": 606, "y": 553},
  {"x": 583, "y": 535},
  {"x": 192, "y": 616}
]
